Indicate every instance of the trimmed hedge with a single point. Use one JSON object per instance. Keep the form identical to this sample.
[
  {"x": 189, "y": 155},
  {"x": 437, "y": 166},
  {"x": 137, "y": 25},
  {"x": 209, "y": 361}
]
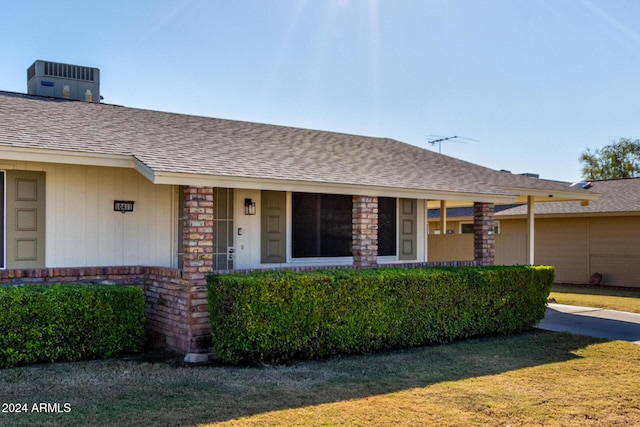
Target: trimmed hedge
[
  {"x": 279, "y": 316},
  {"x": 69, "y": 322}
]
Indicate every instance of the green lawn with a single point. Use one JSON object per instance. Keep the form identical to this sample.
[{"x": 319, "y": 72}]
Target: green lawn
[
  {"x": 536, "y": 378},
  {"x": 600, "y": 297}
]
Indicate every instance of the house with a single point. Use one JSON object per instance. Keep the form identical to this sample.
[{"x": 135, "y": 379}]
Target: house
[
  {"x": 98, "y": 192},
  {"x": 579, "y": 240}
]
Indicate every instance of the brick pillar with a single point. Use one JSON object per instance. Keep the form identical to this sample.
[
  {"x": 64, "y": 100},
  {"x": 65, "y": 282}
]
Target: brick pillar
[
  {"x": 483, "y": 239},
  {"x": 364, "y": 231},
  {"x": 197, "y": 262}
]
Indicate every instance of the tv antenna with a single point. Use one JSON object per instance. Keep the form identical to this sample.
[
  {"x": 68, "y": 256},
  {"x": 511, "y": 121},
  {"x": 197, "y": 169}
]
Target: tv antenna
[{"x": 433, "y": 139}]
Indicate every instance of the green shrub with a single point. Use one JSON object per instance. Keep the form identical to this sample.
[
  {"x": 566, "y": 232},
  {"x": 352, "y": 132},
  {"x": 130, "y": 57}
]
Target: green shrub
[
  {"x": 278, "y": 316},
  {"x": 69, "y": 322}
]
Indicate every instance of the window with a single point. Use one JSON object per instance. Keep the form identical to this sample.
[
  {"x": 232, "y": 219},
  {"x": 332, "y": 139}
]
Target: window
[
  {"x": 321, "y": 225},
  {"x": 387, "y": 230},
  {"x": 467, "y": 227}
]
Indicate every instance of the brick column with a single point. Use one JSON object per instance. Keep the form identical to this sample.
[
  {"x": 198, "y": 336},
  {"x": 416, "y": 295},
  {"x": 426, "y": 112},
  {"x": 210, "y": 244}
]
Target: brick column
[
  {"x": 483, "y": 239},
  {"x": 364, "y": 231},
  {"x": 197, "y": 263}
]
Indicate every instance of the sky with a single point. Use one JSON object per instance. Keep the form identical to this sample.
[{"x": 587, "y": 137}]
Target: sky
[{"x": 525, "y": 85}]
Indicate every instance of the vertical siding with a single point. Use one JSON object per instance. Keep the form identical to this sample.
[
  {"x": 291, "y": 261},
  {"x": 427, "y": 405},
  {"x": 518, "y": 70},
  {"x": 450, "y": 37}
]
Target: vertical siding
[
  {"x": 615, "y": 250},
  {"x": 511, "y": 249},
  {"x": 450, "y": 247},
  {"x": 576, "y": 247},
  {"x": 83, "y": 229},
  {"x": 563, "y": 243}
]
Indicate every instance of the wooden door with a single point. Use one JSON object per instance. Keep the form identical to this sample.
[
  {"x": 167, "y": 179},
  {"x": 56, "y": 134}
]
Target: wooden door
[
  {"x": 25, "y": 216},
  {"x": 408, "y": 229},
  {"x": 273, "y": 233}
]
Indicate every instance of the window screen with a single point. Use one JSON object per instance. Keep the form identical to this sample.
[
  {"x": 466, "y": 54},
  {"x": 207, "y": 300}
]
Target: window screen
[{"x": 321, "y": 225}]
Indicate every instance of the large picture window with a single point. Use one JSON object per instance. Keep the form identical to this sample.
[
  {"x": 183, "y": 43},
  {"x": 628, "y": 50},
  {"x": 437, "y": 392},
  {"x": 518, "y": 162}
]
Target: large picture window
[{"x": 321, "y": 225}]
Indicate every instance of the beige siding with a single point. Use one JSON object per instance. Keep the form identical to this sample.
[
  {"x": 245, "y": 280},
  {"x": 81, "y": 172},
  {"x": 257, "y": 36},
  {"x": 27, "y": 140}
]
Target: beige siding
[
  {"x": 453, "y": 226},
  {"x": 82, "y": 228},
  {"x": 615, "y": 250},
  {"x": 511, "y": 249},
  {"x": 450, "y": 247},
  {"x": 579, "y": 247},
  {"x": 563, "y": 243},
  {"x": 513, "y": 226}
]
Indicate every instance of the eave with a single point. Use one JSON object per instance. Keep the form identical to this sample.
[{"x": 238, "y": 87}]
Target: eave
[
  {"x": 176, "y": 178},
  {"x": 544, "y": 195},
  {"x": 39, "y": 155}
]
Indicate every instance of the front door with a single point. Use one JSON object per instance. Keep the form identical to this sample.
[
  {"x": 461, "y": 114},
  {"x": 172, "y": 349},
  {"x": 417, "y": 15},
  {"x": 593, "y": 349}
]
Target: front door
[
  {"x": 223, "y": 236},
  {"x": 25, "y": 222}
]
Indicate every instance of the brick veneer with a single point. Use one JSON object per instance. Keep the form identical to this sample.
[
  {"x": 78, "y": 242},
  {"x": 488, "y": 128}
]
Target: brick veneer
[
  {"x": 364, "y": 232},
  {"x": 483, "y": 238},
  {"x": 197, "y": 263}
]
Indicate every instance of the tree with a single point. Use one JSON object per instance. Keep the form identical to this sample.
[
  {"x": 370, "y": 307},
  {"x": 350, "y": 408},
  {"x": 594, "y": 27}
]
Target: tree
[{"x": 620, "y": 159}]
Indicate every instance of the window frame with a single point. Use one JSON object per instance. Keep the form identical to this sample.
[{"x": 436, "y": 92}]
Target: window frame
[
  {"x": 496, "y": 227},
  {"x": 320, "y": 226}
]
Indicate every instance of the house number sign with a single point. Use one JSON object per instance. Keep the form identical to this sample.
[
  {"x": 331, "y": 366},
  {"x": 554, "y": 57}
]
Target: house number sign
[{"x": 123, "y": 206}]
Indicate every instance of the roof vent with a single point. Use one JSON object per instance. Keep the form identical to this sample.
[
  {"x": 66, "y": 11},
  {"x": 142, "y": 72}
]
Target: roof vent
[
  {"x": 582, "y": 184},
  {"x": 530, "y": 175},
  {"x": 63, "y": 81}
]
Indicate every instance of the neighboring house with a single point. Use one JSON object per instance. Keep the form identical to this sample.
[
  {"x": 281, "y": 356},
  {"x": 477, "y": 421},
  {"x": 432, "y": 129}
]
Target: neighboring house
[
  {"x": 154, "y": 199},
  {"x": 578, "y": 239}
]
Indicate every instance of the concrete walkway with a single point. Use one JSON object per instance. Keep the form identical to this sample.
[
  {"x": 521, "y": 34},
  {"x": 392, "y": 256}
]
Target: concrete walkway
[{"x": 594, "y": 322}]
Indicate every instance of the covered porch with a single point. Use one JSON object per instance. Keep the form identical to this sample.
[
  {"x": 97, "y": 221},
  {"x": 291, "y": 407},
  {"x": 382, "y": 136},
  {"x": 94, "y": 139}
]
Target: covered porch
[{"x": 454, "y": 239}]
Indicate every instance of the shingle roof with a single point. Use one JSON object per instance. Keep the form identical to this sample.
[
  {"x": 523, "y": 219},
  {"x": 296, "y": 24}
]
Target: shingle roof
[
  {"x": 616, "y": 196},
  {"x": 177, "y": 143}
]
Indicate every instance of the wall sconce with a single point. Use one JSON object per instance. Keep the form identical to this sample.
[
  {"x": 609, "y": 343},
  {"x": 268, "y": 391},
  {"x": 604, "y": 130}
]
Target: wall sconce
[{"x": 249, "y": 207}]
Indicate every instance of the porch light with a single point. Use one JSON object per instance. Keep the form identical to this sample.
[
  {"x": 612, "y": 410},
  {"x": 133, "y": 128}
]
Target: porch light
[{"x": 249, "y": 207}]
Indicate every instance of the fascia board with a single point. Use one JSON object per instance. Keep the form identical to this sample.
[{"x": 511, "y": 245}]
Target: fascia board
[
  {"x": 65, "y": 157},
  {"x": 551, "y": 195},
  {"x": 173, "y": 178}
]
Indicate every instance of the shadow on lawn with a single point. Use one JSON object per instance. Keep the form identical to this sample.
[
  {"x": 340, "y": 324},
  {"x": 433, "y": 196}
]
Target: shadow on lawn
[
  {"x": 250, "y": 391},
  {"x": 156, "y": 388}
]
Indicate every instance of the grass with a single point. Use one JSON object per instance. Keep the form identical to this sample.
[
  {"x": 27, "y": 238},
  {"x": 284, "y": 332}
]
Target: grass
[
  {"x": 536, "y": 378},
  {"x": 597, "y": 296}
]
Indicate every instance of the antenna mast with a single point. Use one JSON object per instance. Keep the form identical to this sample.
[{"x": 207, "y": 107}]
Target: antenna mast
[
  {"x": 439, "y": 141},
  {"x": 432, "y": 139}
]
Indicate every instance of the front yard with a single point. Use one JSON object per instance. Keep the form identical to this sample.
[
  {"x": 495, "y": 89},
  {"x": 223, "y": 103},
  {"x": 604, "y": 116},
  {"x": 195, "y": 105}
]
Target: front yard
[
  {"x": 536, "y": 378},
  {"x": 598, "y": 296}
]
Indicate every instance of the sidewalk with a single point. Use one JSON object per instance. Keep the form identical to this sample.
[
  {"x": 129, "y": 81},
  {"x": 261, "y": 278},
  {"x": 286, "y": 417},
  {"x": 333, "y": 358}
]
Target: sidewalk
[{"x": 594, "y": 322}]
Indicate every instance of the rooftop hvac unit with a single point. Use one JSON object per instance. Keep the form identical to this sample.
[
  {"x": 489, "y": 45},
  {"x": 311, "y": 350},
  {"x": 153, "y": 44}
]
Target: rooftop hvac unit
[{"x": 63, "y": 81}]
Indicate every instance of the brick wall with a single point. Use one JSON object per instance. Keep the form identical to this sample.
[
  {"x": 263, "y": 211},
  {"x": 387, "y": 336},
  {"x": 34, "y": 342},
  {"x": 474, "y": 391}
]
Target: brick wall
[
  {"x": 483, "y": 237},
  {"x": 167, "y": 309},
  {"x": 128, "y": 275},
  {"x": 365, "y": 231}
]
